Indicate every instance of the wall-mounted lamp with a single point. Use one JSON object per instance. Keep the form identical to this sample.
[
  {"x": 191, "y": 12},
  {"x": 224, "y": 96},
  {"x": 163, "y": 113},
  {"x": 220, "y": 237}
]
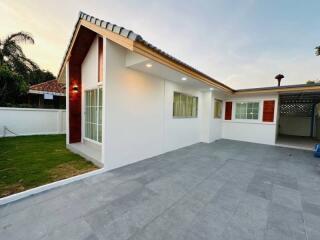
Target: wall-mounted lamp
[{"x": 75, "y": 88}]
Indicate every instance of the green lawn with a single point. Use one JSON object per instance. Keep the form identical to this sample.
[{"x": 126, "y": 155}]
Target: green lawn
[{"x": 31, "y": 161}]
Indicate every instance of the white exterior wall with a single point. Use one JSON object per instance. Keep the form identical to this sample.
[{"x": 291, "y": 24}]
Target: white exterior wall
[
  {"x": 32, "y": 121},
  {"x": 206, "y": 117},
  {"x": 89, "y": 80},
  {"x": 89, "y": 68},
  {"x": 138, "y": 107},
  {"x": 180, "y": 132},
  {"x": 216, "y": 123},
  {"x": 255, "y": 131},
  {"x": 138, "y": 113},
  {"x": 90, "y": 149},
  {"x": 211, "y": 128}
]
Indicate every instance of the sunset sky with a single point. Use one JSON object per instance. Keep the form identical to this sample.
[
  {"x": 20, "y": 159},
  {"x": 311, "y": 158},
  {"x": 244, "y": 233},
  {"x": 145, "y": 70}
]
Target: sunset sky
[{"x": 242, "y": 43}]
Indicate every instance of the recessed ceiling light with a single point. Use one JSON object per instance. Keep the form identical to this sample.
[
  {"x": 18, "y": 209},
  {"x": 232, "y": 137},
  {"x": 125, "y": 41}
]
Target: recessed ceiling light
[
  {"x": 148, "y": 65},
  {"x": 184, "y": 78},
  {"x": 211, "y": 89}
]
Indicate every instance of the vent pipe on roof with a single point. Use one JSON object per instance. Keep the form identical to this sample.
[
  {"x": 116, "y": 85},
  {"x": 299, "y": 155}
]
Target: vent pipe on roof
[{"x": 279, "y": 78}]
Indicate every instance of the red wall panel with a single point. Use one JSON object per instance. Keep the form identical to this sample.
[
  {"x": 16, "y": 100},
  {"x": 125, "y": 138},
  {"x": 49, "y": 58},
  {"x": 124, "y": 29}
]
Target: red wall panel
[
  {"x": 74, "y": 103},
  {"x": 100, "y": 59},
  {"x": 228, "y": 111},
  {"x": 268, "y": 111}
]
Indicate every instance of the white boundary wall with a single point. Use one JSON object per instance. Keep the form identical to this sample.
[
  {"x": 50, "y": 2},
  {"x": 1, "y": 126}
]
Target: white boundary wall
[{"x": 32, "y": 121}]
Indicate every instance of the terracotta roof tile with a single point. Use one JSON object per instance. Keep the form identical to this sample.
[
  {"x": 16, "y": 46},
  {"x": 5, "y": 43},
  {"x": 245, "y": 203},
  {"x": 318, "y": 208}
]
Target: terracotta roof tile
[{"x": 51, "y": 86}]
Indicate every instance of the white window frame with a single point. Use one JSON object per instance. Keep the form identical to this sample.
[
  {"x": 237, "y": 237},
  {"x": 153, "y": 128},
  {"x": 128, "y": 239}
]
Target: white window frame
[
  {"x": 97, "y": 115},
  {"x": 246, "y": 104},
  {"x": 187, "y": 95},
  {"x": 214, "y": 108}
]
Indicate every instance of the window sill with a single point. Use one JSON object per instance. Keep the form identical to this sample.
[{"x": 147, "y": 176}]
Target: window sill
[
  {"x": 184, "y": 117},
  {"x": 92, "y": 141},
  {"x": 250, "y": 122}
]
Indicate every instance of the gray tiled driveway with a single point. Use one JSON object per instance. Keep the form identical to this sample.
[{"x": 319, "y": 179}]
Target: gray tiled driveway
[{"x": 226, "y": 190}]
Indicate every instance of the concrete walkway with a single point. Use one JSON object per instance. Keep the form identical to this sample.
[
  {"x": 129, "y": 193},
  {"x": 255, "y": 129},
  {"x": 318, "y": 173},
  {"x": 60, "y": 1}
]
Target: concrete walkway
[{"x": 226, "y": 190}]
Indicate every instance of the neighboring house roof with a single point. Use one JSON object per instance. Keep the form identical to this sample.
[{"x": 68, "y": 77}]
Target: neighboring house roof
[
  {"x": 51, "y": 86},
  {"x": 136, "y": 43}
]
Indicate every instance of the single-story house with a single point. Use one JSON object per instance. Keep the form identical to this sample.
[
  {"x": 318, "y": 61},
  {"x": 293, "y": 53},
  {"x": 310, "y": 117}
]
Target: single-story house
[
  {"x": 128, "y": 100},
  {"x": 49, "y": 94}
]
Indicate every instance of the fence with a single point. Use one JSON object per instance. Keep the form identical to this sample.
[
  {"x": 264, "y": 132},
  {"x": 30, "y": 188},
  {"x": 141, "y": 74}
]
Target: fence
[{"x": 31, "y": 121}]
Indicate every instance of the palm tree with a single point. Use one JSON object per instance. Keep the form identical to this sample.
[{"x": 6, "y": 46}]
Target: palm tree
[
  {"x": 318, "y": 51},
  {"x": 11, "y": 53}
]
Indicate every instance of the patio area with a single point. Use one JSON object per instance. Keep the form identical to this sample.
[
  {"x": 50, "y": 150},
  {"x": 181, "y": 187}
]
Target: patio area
[{"x": 225, "y": 190}]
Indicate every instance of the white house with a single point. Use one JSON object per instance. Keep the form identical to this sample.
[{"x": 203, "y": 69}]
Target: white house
[{"x": 127, "y": 100}]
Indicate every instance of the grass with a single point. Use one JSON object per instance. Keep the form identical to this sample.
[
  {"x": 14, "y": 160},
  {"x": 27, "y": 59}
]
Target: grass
[{"x": 30, "y": 161}]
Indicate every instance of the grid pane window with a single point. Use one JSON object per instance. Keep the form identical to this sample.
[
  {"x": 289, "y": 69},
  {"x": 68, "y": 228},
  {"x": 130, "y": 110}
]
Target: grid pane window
[
  {"x": 217, "y": 108},
  {"x": 93, "y": 114},
  {"x": 247, "y": 110},
  {"x": 185, "y": 106}
]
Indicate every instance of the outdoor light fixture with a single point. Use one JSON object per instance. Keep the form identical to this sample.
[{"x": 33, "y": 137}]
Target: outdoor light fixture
[
  {"x": 211, "y": 89},
  {"x": 148, "y": 65},
  {"x": 75, "y": 88},
  {"x": 184, "y": 78}
]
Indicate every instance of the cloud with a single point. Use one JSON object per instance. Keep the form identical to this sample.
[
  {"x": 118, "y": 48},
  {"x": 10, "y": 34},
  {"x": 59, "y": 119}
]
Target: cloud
[{"x": 235, "y": 42}]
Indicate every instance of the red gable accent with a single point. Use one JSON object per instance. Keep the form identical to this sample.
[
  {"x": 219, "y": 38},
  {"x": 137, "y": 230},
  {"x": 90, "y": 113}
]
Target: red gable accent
[
  {"x": 100, "y": 59},
  {"x": 228, "y": 111},
  {"x": 268, "y": 110},
  {"x": 74, "y": 104}
]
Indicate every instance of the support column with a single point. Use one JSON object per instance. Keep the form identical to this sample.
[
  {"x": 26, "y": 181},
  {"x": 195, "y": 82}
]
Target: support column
[{"x": 104, "y": 94}]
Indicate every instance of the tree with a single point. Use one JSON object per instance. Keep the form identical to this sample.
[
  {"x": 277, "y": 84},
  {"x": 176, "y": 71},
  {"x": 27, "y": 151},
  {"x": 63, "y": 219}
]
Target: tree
[
  {"x": 12, "y": 86},
  {"x": 11, "y": 54},
  {"x": 318, "y": 51},
  {"x": 310, "y": 82},
  {"x": 39, "y": 76},
  {"x": 17, "y": 71}
]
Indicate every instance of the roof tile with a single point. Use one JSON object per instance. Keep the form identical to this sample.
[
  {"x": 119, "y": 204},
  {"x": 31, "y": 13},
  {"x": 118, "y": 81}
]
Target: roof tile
[
  {"x": 110, "y": 26},
  {"x": 52, "y": 86},
  {"x": 103, "y": 24},
  {"x": 117, "y": 29}
]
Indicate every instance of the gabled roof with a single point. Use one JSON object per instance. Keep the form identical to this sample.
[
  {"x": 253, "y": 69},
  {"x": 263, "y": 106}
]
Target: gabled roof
[
  {"x": 111, "y": 27},
  {"x": 135, "y": 42},
  {"x": 52, "y": 86}
]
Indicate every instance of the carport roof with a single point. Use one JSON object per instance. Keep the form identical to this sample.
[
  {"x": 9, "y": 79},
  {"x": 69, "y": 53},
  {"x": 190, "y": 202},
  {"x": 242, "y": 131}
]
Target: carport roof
[
  {"x": 303, "y": 98},
  {"x": 297, "y": 88}
]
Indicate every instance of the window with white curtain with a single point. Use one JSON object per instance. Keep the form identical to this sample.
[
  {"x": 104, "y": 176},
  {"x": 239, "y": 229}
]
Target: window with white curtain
[
  {"x": 93, "y": 114},
  {"x": 185, "y": 106},
  {"x": 217, "y": 108},
  {"x": 247, "y": 110}
]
